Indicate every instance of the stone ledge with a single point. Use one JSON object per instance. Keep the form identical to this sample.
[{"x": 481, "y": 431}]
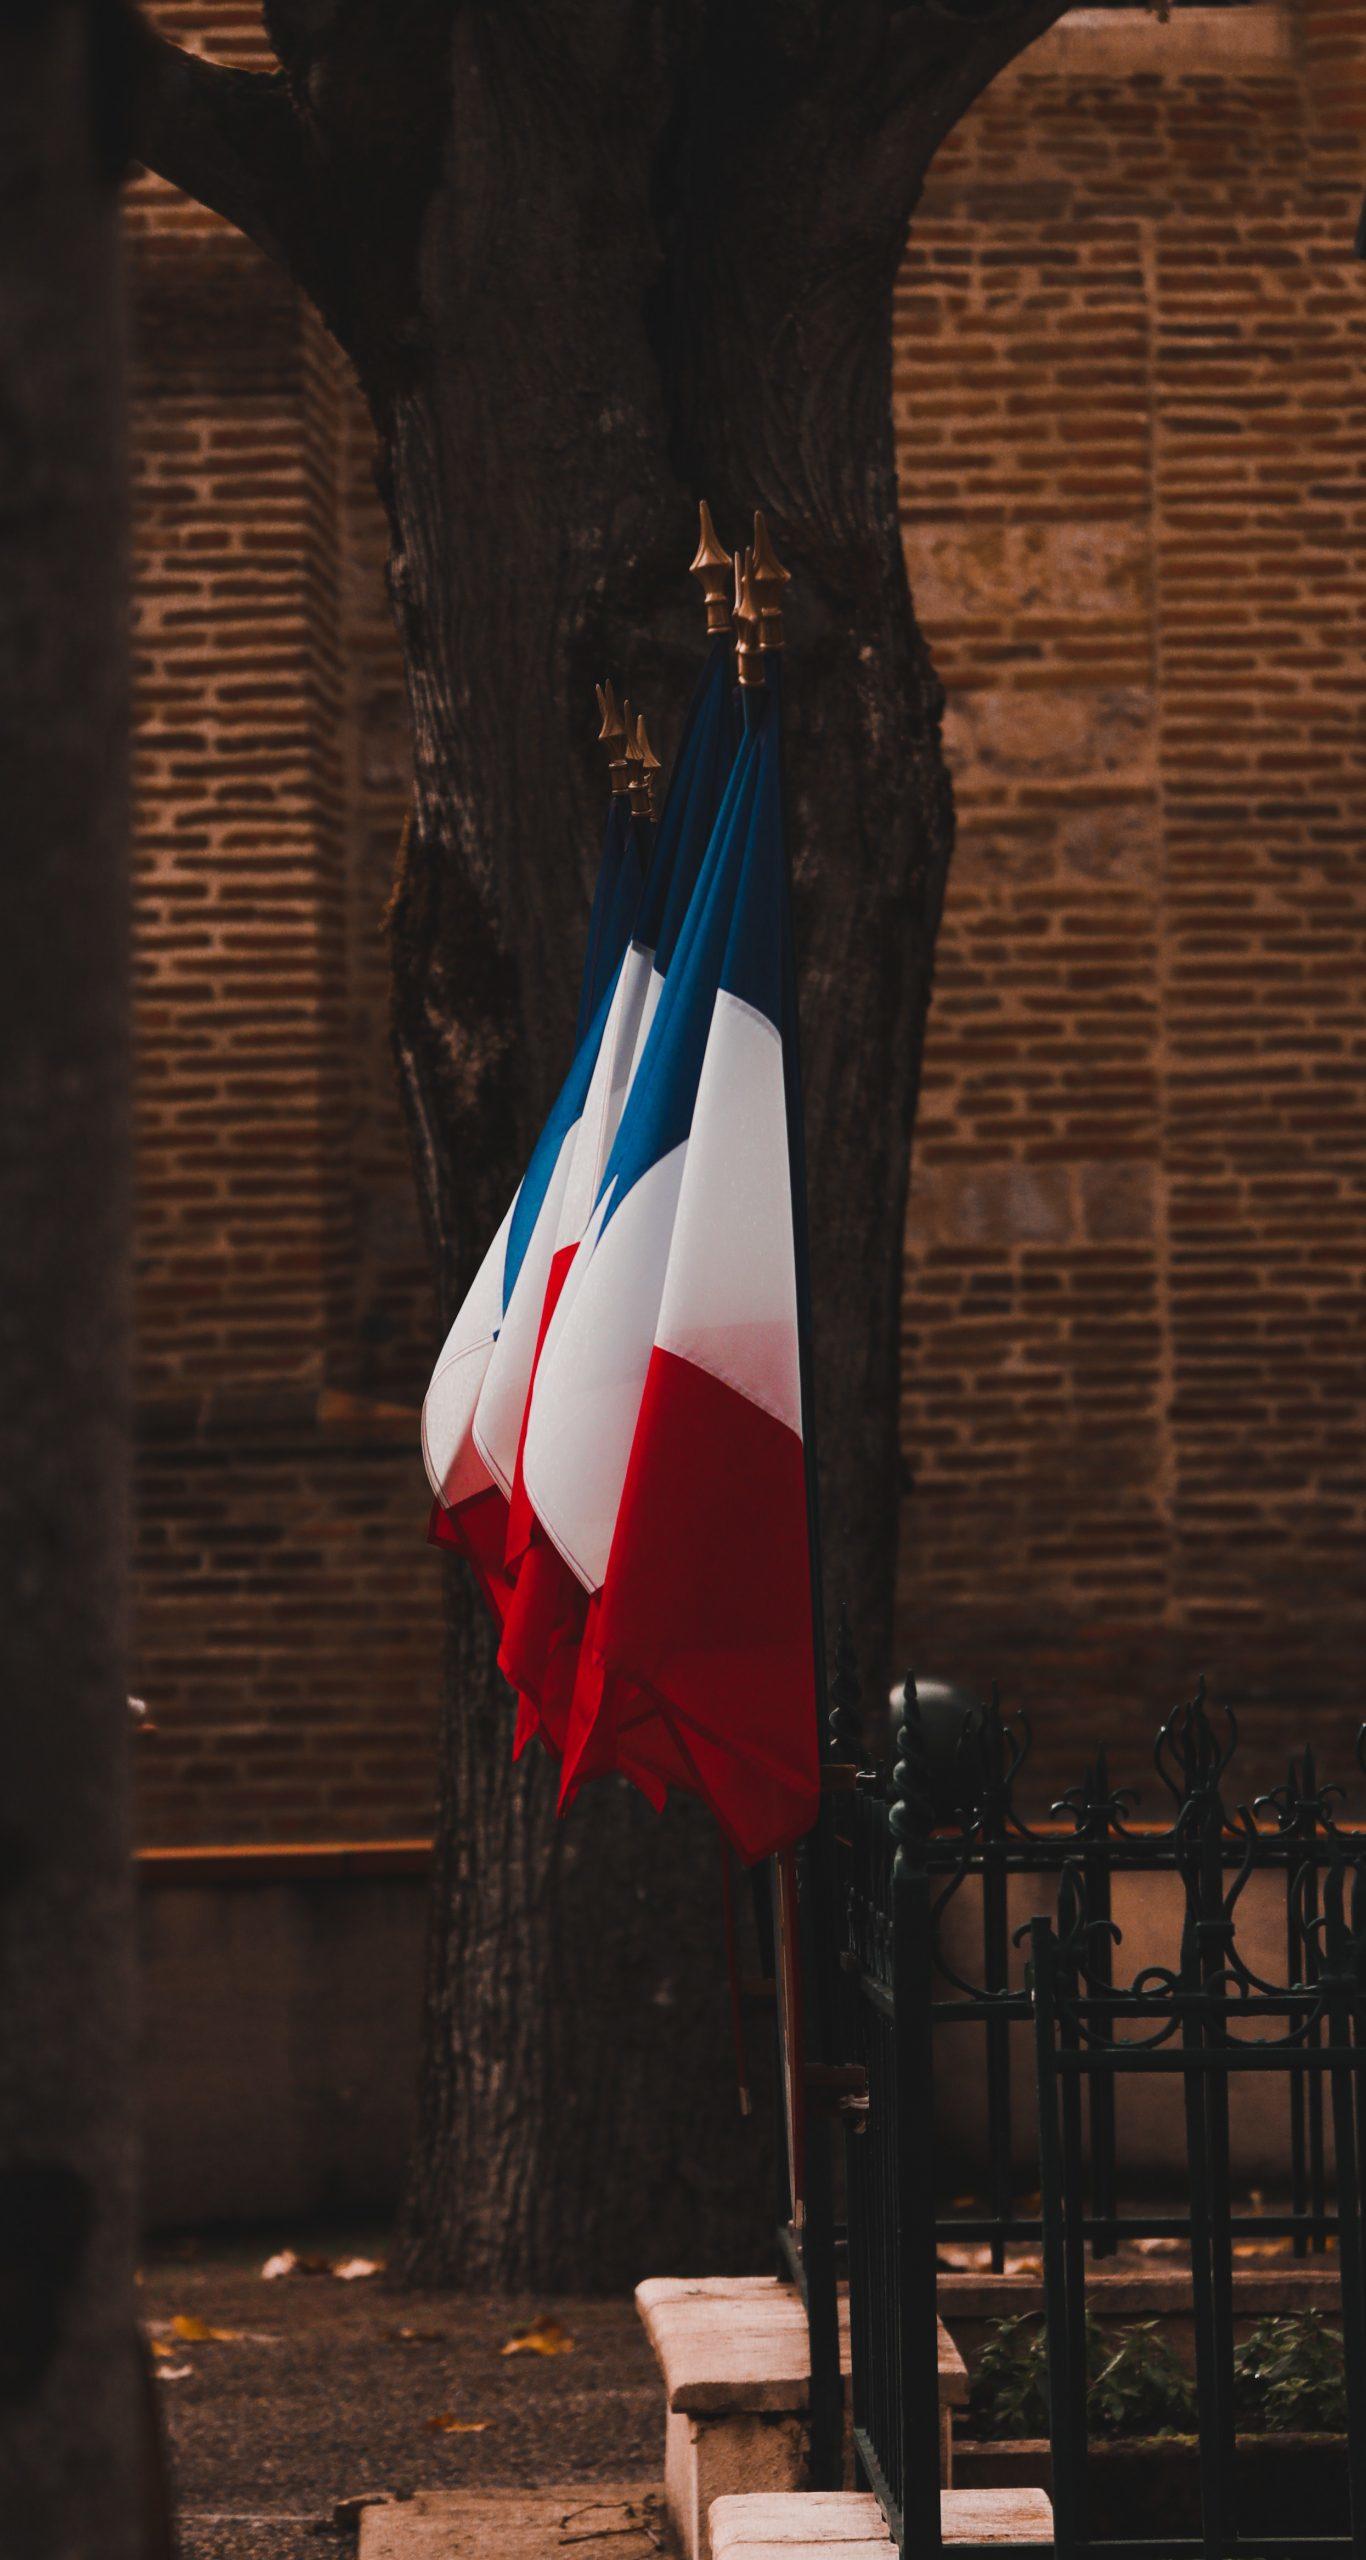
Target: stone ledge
[
  {"x": 1222, "y": 42},
  {"x": 733, "y": 2344},
  {"x": 615, "y": 2521},
  {"x": 754, "y": 2528},
  {"x": 734, "y": 2355}
]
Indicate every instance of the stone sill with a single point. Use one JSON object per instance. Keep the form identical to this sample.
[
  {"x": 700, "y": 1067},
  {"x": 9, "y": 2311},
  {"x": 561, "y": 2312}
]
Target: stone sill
[
  {"x": 1116, "y": 43},
  {"x": 302, "y": 1862}
]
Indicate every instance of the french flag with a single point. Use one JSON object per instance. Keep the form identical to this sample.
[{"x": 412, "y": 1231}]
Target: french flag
[
  {"x": 545, "y": 1605},
  {"x": 663, "y": 1454},
  {"x": 475, "y": 1409},
  {"x": 470, "y": 1512}
]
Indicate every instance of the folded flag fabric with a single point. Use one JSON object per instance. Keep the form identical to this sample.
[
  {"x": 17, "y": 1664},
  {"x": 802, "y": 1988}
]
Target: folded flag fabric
[
  {"x": 475, "y": 1408},
  {"x": 663, "y": 1452},
  {"x": 543, "y": 1603},
  {"x": 470, "y": 1510}
]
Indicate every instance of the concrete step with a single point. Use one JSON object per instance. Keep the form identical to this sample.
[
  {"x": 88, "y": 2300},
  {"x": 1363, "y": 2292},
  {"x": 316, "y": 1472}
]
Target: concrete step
[
  {"x": 848, "y": 2524},
  {"x": 734, "y": 2355},
  {"x": 585, "y": 2520},
  {"x": 739, "y": 2342}
]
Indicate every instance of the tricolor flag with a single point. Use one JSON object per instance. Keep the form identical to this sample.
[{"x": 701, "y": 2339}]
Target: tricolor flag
[
  {"x": 663, "y": 1454},
  {"x": 545, "y": 1604},
  {"x": 475, "y": 1408}
]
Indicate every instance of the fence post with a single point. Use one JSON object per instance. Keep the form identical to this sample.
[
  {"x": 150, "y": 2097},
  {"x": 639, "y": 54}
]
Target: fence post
[
  {"x": 1100, "y": 1962},
  {"x": 1068, "y": 2455},
  {"x": 1341, "y": 1968},
  {"x": 917, "y": 2313}
]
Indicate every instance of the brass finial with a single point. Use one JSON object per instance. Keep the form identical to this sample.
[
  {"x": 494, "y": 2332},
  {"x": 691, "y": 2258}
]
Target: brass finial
[
  {"x": 612, "y": 736},
  {"x": 748, "y": 647},
  {"x": 769, "y": 579},
  {"x": 711, "y": 568},
  {"x": 640, "y": 757},
  {"x": 738, "y": 598}
]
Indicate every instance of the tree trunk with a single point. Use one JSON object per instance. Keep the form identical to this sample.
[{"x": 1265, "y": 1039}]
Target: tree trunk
[
  {"x": 541, "y": 531},
  {"x": 70, "y": 2394},
  {"x": 593, "y": 261}
]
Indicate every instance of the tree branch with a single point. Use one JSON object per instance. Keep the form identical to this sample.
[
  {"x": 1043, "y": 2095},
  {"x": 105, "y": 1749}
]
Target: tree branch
[{"x": 232, "y": 140}]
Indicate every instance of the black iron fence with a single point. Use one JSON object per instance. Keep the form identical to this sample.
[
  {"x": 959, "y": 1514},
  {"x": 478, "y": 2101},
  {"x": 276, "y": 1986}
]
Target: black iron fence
[{"x": 965, "y": 1924}]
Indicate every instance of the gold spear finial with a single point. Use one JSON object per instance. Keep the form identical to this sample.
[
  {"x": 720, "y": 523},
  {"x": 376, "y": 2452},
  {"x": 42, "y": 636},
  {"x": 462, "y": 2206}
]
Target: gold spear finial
[
  {"x": 769, "y": 579},
  {"x": 637, "y": 745},
  {"x": 612, "y": 736},
  {"x": 737, "y": 599},
  {"x": 711, "y": 568},
  {"x": 748, "y": 647}
]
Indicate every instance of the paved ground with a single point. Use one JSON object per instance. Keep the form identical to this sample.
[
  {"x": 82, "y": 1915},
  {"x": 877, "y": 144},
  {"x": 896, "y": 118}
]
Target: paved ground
[{"x": 326, "y": 2389}]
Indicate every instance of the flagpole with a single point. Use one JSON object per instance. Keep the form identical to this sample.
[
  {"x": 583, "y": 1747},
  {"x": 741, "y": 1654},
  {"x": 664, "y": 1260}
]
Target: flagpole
[
  {"x": 761, "y": 665},
  {"x": 760, "y": 662}
]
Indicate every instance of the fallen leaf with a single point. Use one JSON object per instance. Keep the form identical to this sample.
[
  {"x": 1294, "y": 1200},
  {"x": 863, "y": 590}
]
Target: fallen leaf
[
  {"x": 160, "y": 2348},
  {"x": 198, "y": 2332},
  {"x": 543, "y": 2338},
  {"x": 347, "y": 2270},
  {"x": 175, "y": 2372},
  {"x": 446, "y": 2423},
  {"x": 287, "y": 2262}
]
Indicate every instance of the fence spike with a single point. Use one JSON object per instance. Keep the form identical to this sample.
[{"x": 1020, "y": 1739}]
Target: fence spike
[{"x": 846, "y": 1693}]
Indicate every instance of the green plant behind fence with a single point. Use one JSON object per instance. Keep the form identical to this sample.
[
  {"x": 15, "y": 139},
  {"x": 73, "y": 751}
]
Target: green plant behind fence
[{"x": 1288, "y": 2374}]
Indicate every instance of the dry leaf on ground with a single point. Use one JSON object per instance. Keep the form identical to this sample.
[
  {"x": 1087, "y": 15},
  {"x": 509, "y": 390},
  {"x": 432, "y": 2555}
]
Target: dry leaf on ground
[
  {"x": 446, "y": 2423},
  {"x": 543, "y": 2338},
  {"x": 198, "y": 2333},
  {"x": 174, "y": 2372},
  {"x": 287, "y": 2262}
]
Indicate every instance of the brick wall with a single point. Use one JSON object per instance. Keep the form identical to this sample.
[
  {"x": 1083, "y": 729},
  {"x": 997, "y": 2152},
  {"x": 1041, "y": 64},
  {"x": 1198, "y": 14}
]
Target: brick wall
[
  {"x": 288, "y": 1613},
  {"x": 1129, "y": 392}
]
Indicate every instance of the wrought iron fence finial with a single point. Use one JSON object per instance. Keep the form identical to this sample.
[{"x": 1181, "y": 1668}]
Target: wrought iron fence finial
[
  {"x": 846, "y": 1693},
  {"x": 911, "y": 1814}
]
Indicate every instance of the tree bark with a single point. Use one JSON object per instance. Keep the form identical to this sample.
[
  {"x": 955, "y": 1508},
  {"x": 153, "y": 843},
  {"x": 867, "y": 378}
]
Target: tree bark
[
  {"x": 651, "y": 258},
  {"x": 70, "y": 2393}
]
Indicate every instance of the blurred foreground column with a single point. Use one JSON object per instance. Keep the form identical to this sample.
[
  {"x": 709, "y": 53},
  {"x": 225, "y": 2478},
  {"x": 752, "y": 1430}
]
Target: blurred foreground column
[{"x": 69, "y": 2465}]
